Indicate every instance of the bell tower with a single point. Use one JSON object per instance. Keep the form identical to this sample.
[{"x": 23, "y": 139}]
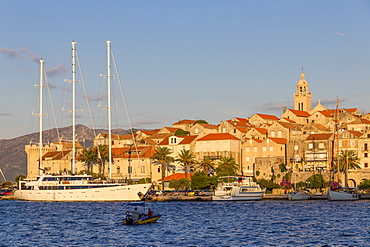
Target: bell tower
[{"x": 302, "y": 96}]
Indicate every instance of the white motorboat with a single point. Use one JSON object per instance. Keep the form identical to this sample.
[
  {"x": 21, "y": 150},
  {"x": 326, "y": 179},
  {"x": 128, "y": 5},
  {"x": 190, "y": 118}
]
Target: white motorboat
[
  {"x": 343, "y": 194},
  {"x": 77, "y": 188},
  {"x": 234, "y": 188},
  {"x": 296, "y": 196}
]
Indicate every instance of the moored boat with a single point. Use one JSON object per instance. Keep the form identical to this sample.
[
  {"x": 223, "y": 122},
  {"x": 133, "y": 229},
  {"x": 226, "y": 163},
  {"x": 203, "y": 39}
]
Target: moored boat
[
  {"x": 296, "y": 196},
  {"x": 234, "y": 188},
  {"x": 343, "y": 194},
  {"x": 77, "y": 188}
]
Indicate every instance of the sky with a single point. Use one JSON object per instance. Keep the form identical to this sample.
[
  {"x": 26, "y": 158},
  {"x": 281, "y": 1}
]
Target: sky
[{"x": 212, "y": 60}]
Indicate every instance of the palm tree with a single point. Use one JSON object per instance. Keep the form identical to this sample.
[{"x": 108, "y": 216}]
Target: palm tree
[
  {"x": 206, "y": 164},
  {"x": 351, "y": 157},
  {"x": 187, "y": 158},
  {"x": 162, "y": 157},
  {"x": 88, "y": 156},
  {"x": 227, "y": 166},
  {"x": 102, "y": 153}
]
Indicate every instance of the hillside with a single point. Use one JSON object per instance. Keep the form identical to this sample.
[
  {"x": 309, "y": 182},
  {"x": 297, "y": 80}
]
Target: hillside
[{"x": 13, "y": 158}]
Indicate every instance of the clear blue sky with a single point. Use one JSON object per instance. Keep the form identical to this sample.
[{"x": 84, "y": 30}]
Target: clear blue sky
[{"x": 211, "y": 60}]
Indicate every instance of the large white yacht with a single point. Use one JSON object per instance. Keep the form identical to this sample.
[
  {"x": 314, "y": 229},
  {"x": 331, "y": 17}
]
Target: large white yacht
[
  {"x": 233, "y": 188},
  {"x": 77, "y": 188}
]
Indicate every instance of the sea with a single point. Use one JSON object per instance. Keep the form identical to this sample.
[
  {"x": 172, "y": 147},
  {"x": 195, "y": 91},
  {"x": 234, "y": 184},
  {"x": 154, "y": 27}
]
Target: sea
[{"x": 198, "y": 223}]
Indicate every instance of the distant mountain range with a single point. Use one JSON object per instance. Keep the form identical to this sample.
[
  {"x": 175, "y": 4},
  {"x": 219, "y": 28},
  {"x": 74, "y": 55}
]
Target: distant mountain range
[{"x": 13, "y": 158}]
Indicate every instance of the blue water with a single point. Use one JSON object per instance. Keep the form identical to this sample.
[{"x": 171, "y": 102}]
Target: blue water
[{"x": 262, "y": 223}]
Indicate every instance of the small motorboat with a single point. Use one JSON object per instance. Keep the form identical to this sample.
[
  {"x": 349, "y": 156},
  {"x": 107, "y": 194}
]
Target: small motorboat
[
  {"x": 296, "y": 196},
  {"x": 138, "y": 217}
]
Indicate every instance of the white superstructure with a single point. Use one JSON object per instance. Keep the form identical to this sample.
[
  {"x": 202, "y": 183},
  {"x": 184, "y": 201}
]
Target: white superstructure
[
  {"x": 233, "y": 188},
  {"x": 77, "y": 188}
]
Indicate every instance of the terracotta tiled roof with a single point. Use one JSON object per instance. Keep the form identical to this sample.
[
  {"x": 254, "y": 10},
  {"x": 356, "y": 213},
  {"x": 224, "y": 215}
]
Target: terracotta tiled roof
[
  {"x": 171, "y": 129},
  {"x": 242, "y": 119},
  {"x": 325, "y": 113},
  {"x": 116, "y": 137},
  {"x": 319, "y": 126},
  {"x": 177, "y": 176},
  {"x": 243, "y": 130},
  {"x": 239, "y": 124},
  {"x": 355, "y": 133},
  {"x": 348, "y": 110},
  {"x": 68, "y": 144},
  {"x": 149, "y": 132},
  {"x": 185, "y": 140},
  {"x": 208, "y": 126},
  {"x": 267, "y": 117},
  {"x": 319, "y": 136},
  {"x": 261, "y": 130},
  {"x": 292, "y": 126},
  {"x": 256, "y": 140},
  {"x": 143, "y": 152},
  {"x": 218, "y": 136},
  {"x": 55, "y": 155},
  {"x": 288, "y": 120},
  {"x": 300, "y": 113},
  {"x": 185, "y": 121},
  {"x": 360, "y": 121},
  {"x": 279, "y": 140}
]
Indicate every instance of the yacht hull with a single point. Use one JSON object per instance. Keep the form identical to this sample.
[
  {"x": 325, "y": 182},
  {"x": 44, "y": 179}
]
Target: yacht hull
[
  {"x": 342, "y": 196},
  {"x": 113, "y": 193}
]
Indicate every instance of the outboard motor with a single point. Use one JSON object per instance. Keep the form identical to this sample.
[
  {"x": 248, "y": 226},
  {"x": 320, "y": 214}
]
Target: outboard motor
[{"x": 129, "y": 219}]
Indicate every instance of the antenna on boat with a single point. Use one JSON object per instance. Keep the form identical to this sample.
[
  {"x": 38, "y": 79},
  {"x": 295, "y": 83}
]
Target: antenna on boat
[{"x": 40, "y": 115}]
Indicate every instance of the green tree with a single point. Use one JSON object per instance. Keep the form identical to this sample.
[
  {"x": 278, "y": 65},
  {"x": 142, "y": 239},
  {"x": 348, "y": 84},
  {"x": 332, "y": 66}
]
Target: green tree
[
  {"x": 364, "y": 185},
  {"x": 206, "y": 165},
  {"x": 227, "y": 167},
  {"x": 316, "y": 181},
  {"x": 19, "y": 178},
  {"x": 201, "y": 121},
  {"x": 181, "y": 132},
  {"x": 267, "y": 184},
  {"x": 88, "y": 156},
  {"x": 180, "y": 184},
  {"x": 200, "y": 180},
  {"x": 187, "y": 159},
  {"x": 353, "y": 160},
  {"x": 161, "y": 157}
]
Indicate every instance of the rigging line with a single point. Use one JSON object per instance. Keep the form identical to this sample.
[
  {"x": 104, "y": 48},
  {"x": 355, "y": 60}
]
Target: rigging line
[
  {"x": 52, "y": 105},
  {"x": 86, "y": 97},
  {"x": 56, "y": 52},
  {"x": 125, "y": 105}
]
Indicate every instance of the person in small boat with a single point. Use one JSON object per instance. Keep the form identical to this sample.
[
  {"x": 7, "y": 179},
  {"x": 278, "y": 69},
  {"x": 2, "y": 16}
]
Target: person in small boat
[
  {"x": 150, "y": 213},
  {"x": 136, "y": 214}
]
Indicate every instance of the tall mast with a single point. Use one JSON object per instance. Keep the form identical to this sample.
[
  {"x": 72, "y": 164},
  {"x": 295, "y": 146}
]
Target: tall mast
[
  {"x": 109, "y": 111},
  {"x": 73, "y": 105},
  {"x": 109, "y": 107},
  {"x": 73, "y": 81},
  {"x": 40, "y": 115}
]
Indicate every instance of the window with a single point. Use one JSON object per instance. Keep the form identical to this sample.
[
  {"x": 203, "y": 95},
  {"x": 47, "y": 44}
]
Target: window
[
  {"x": 365, "y": 146},
  {"x": 310, "y": 145},
  {"x": 366, "y": 165},
  {"x": 247, "y": 149},
  {"x": 118, "y": 169},
  {"x": 271, "y": 149},
  {"x": 196, "y": 130},
  {"x": 279, "y": 133},
  {"x": 340, "y": 143},
  {"x": 129, "y": 169},
  {"x": 321, "y": 145},
  {"x": 295, "y": 147},
  {"x": 142, "y": 169},
  {"x": 247, "y": 159},
  {"x": 255, "y": 149},
  {"x": 273, "y": 134},
  {"x": 365, "y": 155},
  {"x": 352, "y": 143},
  {"x": 264, "y": 149}
]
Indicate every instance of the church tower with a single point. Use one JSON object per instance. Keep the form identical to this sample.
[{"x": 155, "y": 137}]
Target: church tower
[{"x": 302, "y": 96}]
